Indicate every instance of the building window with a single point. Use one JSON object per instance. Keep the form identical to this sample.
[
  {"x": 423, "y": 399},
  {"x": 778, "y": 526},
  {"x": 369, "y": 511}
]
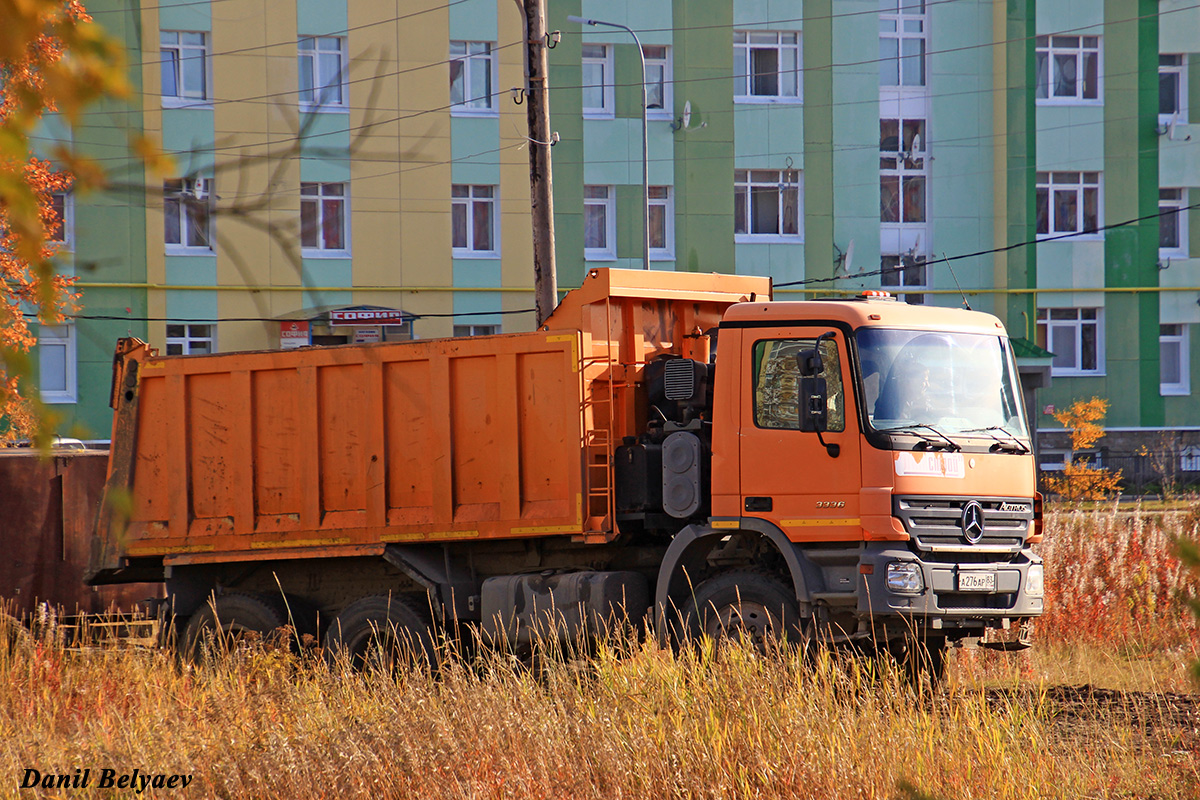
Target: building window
[
  {"x": 323, "y": 217},
  {"x": 599, "y": 222},
  {"x": 766, "y": 65},
  {"x": 60, "y": 228},
  {"x": 190, "y": 340},
  {"x": 184, "y": 57},
  {"x": 662, "y": 223},
  {"x": 598, "y": 80},
  {"x": 187, "y": 213},
  {"x": 322, "y": 72},
  {"x": 658, "y": 81},
  {"x": 472, "y": 66},
  {"x": 902, "y": 170},
  {"x": 902, "y": 43},
  {"x": 767, "y": 202},
  {"x": 1173, "y": 360},
  {"x": 1172, "y": 87},
  {"x": 476, "y": 330},
  {"x": 1068, "y": 202},
  {"x": 1172, "y": 222},
  {"x": 905, "y": 272},
  {"x": 56, "y": 363},
  {"x": 473, "y": 220},
  {"x": 1068, "y": 68},
  {"x": 1075, "y": 337}
]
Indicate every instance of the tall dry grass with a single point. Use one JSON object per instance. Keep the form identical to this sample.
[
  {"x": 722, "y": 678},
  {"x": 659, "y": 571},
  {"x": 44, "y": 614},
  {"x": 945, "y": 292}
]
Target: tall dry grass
[{"x": 635, "y": 721}]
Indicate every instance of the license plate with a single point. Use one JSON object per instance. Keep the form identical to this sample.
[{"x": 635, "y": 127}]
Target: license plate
[{"x": 977, "y": 581}]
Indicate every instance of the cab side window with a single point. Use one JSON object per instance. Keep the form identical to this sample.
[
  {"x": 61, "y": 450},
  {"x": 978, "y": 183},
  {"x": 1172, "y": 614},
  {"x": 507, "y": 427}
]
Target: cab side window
[{"x": 777, "y": 382}]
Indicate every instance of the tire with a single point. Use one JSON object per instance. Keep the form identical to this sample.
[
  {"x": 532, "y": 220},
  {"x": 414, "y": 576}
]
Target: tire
[
  {"x": 226, "y": 620},
  {"x": 381, "y": 632},
  {"x": 742, "y": 605},
  {"x": 924, "y": 660}
]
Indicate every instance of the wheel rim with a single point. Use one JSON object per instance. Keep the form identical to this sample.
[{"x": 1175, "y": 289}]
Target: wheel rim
[{"x": 746, "y": 620}]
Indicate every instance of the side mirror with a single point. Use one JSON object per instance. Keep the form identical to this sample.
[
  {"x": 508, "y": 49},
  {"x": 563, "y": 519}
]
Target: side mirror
[
  {"x": 814, "y": 393},
  {"x": 814, "y": 404},
  {"x": 809, "y": 362}
]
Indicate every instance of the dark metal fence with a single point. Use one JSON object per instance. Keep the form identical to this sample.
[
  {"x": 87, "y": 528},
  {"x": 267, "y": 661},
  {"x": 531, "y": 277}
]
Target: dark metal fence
[{"x": 1141, "y": 476}]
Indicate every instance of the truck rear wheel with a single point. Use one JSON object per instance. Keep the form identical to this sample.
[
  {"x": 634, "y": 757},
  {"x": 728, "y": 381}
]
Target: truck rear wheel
[
  {"x": 741, "y": 604},
  {"x": 382, "y": 631},
  {"x": 224, "y": 621}
]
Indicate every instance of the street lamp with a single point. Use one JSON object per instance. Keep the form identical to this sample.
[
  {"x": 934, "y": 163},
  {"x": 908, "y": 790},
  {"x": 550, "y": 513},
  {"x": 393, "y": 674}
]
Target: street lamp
[{"x": 645, "y": 145}]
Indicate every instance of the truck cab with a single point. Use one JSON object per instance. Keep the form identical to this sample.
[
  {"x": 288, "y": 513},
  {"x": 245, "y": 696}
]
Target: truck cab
[{"x": 875, "y": 457}]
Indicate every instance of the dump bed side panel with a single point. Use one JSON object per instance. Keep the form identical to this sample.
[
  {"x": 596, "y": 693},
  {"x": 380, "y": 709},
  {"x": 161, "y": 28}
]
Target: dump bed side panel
[{"x": 349, "y": 446}]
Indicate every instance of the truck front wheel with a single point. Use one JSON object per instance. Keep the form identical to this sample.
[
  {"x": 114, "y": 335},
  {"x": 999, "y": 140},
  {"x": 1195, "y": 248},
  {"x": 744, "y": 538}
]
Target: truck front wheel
[
  {"x": 381, "y": 631},
  {"x": 225, "y": 620},
  {"x": 740, "y": 604}
]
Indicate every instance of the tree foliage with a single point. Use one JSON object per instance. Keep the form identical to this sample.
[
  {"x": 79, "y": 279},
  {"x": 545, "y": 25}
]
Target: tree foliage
[
  {"x": 1080, "y": 480},
  {"x": 53, "y": 59}
]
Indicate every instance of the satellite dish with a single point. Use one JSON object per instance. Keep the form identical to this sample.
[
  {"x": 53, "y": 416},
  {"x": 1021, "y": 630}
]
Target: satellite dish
[
  {"x": 687, "y": 114},
  {"x": 848, "y": 265}
]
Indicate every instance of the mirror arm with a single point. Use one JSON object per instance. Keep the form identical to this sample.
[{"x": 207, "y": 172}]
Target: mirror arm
[{"x": 833, "y": 448}]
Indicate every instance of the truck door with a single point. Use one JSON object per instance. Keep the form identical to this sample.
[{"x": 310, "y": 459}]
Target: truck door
[{"x": 787, "y": 475}]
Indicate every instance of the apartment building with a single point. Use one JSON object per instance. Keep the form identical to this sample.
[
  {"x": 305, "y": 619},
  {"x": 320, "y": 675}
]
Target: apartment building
[{"x": 359, "y": 172}]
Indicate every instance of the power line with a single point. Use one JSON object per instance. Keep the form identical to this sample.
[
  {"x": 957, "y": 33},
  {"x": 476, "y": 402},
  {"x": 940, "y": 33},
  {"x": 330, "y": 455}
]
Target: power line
[{"x": 993, "y": 250}]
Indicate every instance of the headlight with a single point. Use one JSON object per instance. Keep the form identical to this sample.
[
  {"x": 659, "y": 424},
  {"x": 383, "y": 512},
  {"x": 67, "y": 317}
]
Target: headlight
[
  {"x": 1035, "y": 582},
  {"x": 905, "y": 576}
]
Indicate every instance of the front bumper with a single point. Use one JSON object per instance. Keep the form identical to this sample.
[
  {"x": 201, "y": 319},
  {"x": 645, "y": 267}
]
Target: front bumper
[{"x": 942, "y": 603}]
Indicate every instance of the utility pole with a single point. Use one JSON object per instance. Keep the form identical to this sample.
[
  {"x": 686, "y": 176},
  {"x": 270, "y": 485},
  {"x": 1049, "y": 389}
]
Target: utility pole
[{"x": 541, "y": 183}]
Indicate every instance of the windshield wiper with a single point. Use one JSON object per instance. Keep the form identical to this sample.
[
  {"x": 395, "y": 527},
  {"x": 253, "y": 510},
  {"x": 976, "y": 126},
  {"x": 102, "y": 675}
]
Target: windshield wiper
[
  {"x": 950, "y": 444},
  {"x": 1012, "y": 446}
]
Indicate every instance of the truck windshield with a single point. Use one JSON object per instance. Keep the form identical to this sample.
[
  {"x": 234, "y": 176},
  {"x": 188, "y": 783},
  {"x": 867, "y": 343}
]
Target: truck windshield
[{"x": 961, "y": 384}]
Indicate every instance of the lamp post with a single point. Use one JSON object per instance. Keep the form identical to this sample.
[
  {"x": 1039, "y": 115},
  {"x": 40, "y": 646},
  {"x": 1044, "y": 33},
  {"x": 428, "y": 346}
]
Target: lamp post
[{"x": 645, "y": 143}]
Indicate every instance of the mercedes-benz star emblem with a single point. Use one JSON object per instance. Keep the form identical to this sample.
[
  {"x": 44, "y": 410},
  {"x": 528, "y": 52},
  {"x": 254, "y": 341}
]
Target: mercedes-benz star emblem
[{"x": 972, "y": 521}]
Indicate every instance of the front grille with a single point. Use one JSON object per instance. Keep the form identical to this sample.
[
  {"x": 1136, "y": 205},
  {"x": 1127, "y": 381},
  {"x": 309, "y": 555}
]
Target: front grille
[{"x": 935, "y": 524}]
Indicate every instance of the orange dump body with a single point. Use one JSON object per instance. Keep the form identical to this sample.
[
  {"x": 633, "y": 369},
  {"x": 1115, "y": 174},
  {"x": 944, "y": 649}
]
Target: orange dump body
[{"x": 342, "y": 450}]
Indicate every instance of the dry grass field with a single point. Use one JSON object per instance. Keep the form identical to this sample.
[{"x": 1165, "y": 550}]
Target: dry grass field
[{"x": 1104, "y": 706}]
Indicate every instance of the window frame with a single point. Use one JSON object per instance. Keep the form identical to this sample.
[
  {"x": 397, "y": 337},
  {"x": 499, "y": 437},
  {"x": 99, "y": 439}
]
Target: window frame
[
  {"x": 743, "y": 67},
  {"x": 186, "y": 202},
  {"x": 187, "y": 339},
  {"x": 70, "y": 392},
  {"x": 909, "y": 167},
  {"x": 1180, "y": 215},
  {"x": 1180, "y": 70},
  {"x": 1047, "y": 51},
  {"x": 1059, "y": 181},
  {"x": 313, "y": 55},
  {"x": 471, "y": 202},
  {"x": 900, "y": 18},
  {"x": 745, "y": 189},
  {"x": 1046, "y": 326},
  {"x": 65, "y": 220},
  {"x": 1183, "y": 387},
  {"x": 181, "y": 99},
  {"x": 911, "y": 293},
  {"x": 471, "y": 329},
  {"x": 320, "y": 250},
  {"x": 607, "y": 85},
  {"x": 663, "y": 62},
  {"x": 609, "y": 204},
  {"x": 489, "y": 107},
  {"x": 666, "y": 202},
  {"x": 831, "y": 358}
]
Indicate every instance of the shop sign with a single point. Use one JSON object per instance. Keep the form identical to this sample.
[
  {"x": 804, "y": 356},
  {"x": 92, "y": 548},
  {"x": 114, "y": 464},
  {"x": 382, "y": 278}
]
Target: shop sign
[
  {"x": 293, "y": 334},
  {"x": 368, "y": 316}
]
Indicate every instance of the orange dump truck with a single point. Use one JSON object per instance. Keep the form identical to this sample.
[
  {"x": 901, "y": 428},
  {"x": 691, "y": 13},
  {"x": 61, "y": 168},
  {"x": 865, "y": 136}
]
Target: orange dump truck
[{"x": 667, "y": 443}]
